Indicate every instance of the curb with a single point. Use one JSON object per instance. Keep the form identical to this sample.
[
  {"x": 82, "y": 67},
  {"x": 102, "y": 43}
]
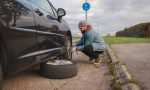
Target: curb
[{"x": 121, "y": 72}]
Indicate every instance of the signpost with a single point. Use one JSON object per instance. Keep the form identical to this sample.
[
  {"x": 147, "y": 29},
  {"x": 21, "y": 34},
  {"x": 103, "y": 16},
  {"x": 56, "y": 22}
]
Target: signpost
[{"x": 86, "y": 7}]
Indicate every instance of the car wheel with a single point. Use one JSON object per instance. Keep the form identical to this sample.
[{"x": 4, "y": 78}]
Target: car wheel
[
  {"x": 68, "y": 47},
  {"x": 1, "y": 78},
  {"x": 58, "y": 69}
]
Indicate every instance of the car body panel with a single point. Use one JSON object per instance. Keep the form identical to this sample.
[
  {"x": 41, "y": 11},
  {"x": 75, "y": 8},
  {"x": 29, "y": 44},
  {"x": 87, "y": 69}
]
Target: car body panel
[
  {"x": 28, "y": 37},
  {"x": 19, "y": 34},
  {"x": 50, "y": 32}
]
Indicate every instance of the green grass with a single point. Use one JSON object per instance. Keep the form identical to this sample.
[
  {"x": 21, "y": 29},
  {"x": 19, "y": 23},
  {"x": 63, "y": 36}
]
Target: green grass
[
  {"x": 121, "y": 40},
  {"x": 124, "y": 40},
  {"x": 75, "y": 38}
]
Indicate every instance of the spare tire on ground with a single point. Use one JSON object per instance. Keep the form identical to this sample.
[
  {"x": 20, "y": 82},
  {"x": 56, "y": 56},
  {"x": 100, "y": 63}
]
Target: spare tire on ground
[{"x": 58, "y": 69}]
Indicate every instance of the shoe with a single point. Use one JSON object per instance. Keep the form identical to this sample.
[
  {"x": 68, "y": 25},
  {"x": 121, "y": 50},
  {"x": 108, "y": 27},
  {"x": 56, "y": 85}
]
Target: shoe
[
  {"x": 91, "y": 59},
  {"x": 97, "y": 60}
]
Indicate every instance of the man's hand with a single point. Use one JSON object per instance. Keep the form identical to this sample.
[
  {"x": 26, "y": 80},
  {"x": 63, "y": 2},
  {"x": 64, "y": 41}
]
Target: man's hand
[
  {"x": 74, "y": 44},
  {"x": 73, "y": 49}
]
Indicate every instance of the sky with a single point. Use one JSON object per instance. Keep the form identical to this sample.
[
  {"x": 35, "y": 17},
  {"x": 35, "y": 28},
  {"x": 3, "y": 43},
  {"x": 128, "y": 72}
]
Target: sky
[{"x": 105, "y": 15}]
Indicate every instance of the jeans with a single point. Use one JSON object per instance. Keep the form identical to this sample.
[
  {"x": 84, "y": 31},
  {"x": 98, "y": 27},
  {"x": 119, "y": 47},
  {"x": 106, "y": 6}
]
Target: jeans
[{"x": 88, "y": 50}]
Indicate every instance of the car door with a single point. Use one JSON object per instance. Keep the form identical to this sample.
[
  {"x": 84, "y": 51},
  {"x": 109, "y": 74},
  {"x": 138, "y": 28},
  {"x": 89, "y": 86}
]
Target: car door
[
  {"x": 20, "y": 36},
  {"x": 50, "y": 32}
]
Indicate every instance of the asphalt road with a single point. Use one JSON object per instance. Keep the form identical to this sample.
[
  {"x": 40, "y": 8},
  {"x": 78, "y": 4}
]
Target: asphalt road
[
  {"x": 89, "y": 78},
  {"x": 137, "y": 59}
]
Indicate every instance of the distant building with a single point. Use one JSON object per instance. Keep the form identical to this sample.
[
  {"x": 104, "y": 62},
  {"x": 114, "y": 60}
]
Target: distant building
[{"x": 110, "y": 34}]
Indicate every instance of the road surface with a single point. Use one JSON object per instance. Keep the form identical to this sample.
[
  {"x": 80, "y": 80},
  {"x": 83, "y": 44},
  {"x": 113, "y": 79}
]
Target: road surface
[
  {"x": 88, "y": 78},
  {"x": 137, "y": 59}
]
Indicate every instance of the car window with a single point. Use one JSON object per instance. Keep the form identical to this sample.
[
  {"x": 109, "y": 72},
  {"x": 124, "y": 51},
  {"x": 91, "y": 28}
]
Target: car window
[
  {"x": 44, "y": 5},
  {"x": 53, "y": 8},
  {"x": 55, "y": 12},
  {"x": 24, "y": 4},
  {"x": 56, "y": 4}
]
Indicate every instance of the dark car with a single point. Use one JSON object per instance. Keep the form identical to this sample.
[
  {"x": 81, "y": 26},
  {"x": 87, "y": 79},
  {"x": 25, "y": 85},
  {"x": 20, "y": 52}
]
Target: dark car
[{"x": 31, "y": 32}]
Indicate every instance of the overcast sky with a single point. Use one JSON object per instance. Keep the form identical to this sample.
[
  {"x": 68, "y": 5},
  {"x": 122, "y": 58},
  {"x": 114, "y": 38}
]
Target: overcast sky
[{"x": 106, "y": 15}]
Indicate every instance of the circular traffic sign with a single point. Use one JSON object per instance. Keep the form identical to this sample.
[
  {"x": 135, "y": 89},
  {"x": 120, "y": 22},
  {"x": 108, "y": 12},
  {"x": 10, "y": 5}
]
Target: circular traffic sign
[{"x": 86, "y": 6}]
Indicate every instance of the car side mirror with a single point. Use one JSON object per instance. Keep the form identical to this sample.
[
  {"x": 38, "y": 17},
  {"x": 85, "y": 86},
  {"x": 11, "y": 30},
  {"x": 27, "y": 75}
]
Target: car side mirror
[{"x": 61, "y": 12}]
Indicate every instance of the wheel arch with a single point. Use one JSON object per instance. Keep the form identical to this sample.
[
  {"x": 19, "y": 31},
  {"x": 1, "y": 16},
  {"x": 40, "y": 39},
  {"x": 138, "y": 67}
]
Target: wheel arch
[{"x": 69, "y": 34}]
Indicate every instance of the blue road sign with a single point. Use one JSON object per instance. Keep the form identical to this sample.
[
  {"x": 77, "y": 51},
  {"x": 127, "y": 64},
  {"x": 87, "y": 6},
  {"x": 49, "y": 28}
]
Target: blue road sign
[{"x": 86, "y": 6}]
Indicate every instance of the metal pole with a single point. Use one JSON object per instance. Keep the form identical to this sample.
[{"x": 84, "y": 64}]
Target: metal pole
[
  {"x": 86, "y": 15},
  {"x": 86, "y": 12}
]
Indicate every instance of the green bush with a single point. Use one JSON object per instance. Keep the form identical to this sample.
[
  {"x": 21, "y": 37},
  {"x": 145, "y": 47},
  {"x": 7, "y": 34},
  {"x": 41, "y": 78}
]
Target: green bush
[{"x": 140, "y": 30}]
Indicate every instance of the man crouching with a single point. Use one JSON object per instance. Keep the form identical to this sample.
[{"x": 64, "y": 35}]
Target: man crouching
[{"x": 91, "y": 43}]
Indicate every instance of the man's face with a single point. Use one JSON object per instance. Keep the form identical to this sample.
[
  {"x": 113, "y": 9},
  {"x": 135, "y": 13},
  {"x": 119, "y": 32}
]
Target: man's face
[{"x": 82, "y": 28}]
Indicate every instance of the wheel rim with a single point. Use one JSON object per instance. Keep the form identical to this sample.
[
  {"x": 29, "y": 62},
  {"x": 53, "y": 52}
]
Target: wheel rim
[{"x": 69, "y": 48}]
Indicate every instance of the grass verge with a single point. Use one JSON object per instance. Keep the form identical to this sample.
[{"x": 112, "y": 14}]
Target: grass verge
[{"x": 124, "y": 40}]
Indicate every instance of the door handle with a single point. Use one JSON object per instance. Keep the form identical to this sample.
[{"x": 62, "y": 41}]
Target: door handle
[{"x": 38, "y": 12}]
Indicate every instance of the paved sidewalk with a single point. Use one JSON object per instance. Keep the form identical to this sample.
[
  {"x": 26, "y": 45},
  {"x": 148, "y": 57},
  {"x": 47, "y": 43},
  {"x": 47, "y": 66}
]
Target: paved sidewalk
[{"x": 137, "y": 59}]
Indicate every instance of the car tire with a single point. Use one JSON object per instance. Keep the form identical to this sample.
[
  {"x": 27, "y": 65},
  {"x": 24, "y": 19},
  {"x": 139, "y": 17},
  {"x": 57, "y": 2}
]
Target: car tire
[
  {"x": 58, "y": 71},
  {"x": 1, "y": 78},
  {"x": 68, "y": 46}
]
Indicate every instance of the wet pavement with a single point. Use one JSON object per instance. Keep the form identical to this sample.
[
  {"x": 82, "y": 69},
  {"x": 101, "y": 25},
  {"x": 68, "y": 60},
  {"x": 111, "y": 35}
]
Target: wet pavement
[
  {"x": 89, "y": 78},
  {"x": 137, "y": 59}
]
